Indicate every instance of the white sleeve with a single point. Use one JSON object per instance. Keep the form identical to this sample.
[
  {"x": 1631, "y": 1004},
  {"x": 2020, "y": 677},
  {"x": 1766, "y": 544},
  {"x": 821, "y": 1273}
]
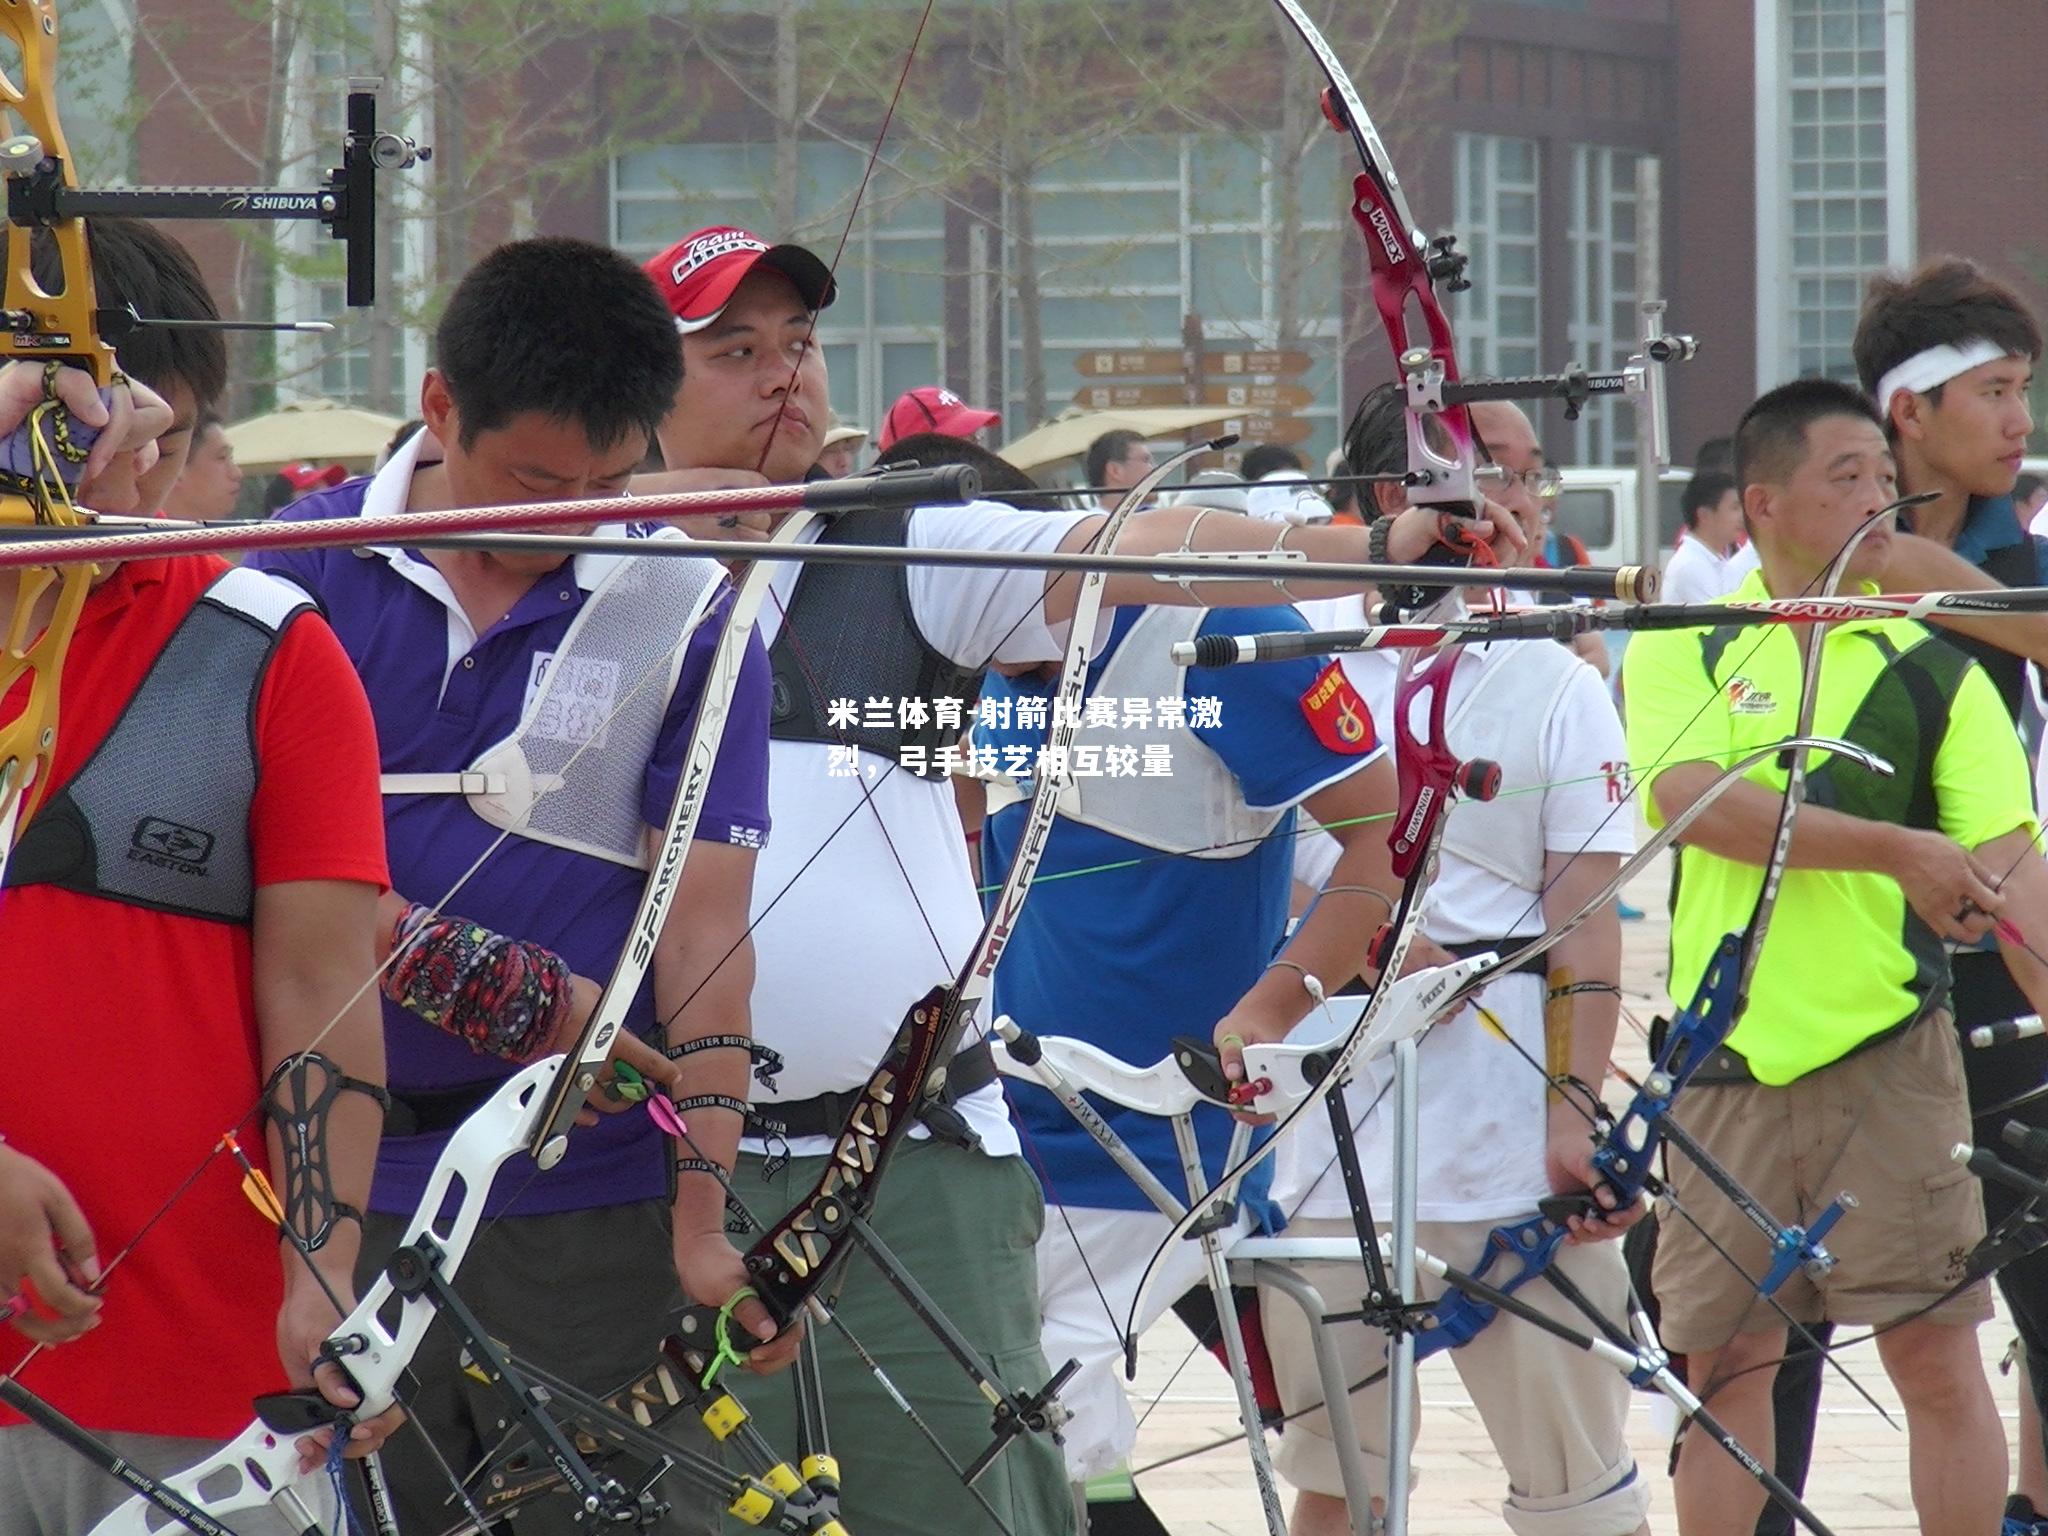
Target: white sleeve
[
  {"x": 1315, "y": 853},
  {"x": 1684, "y": 580},
  {"x": 976, "y": 616},
  {"x": 1587, "y": 807}
]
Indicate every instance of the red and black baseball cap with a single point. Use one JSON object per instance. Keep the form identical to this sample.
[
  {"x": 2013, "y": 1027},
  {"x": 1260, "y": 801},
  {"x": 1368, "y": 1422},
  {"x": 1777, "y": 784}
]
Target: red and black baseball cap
[
  {"x": 306, "y": 476},
  {"x": 932, "y": 409},
  {"x": 697, "y": 275}
]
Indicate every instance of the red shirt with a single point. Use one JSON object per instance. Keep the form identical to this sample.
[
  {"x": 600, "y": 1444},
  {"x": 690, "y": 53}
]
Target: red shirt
[{"x": 130, "y": 1035}]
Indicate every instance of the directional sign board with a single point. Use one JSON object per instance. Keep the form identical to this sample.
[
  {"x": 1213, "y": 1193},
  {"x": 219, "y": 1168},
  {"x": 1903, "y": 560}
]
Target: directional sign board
[
  {"x": 1270, "y": 398},
  {"x": 1232, "y": 363},
  {"x": 1149, "y": 362},
  {"x": 1129, "y": 397},
  {"x": 1269, "y": 429},
  {"x": 1129, "y": 365}
]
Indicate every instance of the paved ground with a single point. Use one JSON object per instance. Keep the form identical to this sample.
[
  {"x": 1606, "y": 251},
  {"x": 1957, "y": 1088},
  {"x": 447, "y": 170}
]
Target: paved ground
[{"x": 1859, "y": 1476}]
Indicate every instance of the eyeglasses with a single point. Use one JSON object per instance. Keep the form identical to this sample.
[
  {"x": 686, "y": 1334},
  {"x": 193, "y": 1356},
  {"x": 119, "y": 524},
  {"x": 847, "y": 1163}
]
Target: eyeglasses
[{"x": 1544, "y": 483}]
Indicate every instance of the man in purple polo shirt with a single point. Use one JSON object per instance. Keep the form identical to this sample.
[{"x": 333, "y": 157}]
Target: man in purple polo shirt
[{"x": 555, "y": 361}]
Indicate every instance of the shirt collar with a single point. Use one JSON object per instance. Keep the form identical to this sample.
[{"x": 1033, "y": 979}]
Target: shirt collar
[
  {"x": 1753, "y": 589},
  {"x": 1989, "y": 523},
  {"x": 390, "y": 490}
]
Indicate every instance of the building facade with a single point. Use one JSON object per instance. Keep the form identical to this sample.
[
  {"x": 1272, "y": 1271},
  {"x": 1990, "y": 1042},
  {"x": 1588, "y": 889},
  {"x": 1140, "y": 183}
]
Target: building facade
[{"x": 1788, "y": 148}]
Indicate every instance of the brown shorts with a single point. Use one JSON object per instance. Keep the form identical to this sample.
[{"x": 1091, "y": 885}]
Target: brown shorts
[{"x": 1878, "y": 1125}]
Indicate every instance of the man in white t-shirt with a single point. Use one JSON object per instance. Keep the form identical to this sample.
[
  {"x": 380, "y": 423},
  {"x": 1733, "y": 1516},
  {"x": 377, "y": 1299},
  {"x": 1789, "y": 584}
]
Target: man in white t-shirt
[
  {"x": 1279, "y": 491},
  {"x": 1712, "y": 557},
  {"x": 1493, "y": 1138},
  {"x": 864, "y": 898}
]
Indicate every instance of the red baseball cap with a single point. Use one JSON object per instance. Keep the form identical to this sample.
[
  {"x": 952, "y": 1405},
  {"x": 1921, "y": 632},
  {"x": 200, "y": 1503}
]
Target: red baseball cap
[
  {"x": 307, "y": 476},
  {"x": 932, "y": 409},
  {"x": 697, "y": 275}
]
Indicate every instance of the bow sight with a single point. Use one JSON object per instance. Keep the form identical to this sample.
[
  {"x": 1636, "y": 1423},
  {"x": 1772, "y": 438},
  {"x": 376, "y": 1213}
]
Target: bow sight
[{"x": 345, "y": 201}]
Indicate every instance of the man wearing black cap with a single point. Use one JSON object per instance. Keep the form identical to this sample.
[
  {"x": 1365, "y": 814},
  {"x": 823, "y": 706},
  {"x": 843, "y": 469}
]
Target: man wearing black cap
[{"x": 864, "y": 897}]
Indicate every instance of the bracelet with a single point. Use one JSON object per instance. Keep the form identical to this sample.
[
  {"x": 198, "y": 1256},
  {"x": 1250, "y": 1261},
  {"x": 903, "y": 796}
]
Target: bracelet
[
  {"x": 1574, "y": 988},
  {"x": 1309, "y": 983},
  {"x": 699, "y": 1101},
  {"x": 1596, "y": 1107},
  {"x": 1377, "y": 533},
  {"x": 1362, "y": 890},
  {"x": 1279, "y": 547},
  {"x": 1187, "y": 547}
]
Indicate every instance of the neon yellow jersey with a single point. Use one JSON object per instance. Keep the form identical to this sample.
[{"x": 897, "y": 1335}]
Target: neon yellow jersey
[{"x": 1845, "y": 958}]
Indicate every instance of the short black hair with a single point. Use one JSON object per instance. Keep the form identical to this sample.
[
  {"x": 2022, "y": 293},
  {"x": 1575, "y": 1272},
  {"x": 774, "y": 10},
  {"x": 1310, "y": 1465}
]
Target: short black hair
[
  {"x": 1772, "y": 433},
  {"x": 1703, "y": 491},
  {"x": 1376, "y": 442},
  {"x": 136, "y": 265},
  {"x": 278, "y": 495},
  {"x": 2025, "y": 486},
  {"x": 1261, "y": 459},
  {"x": 1340, "y": 494},
  {"x": 1000, "y": 479},
  {"x": 1716, "y": 456},
  {"x": 1112, "y": 447},
  {"x": 1948, "y": 300},
  {"x": 563, "y": 327},
  {"x": 405, "y": 433}
]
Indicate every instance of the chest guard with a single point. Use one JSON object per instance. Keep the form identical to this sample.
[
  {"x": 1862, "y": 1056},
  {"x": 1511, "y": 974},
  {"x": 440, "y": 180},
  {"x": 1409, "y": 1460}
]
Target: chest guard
[
  {"x": 1198, "y": 811},
  {"x": 849, "y": 633},
  {"x": 1502, "y": 719},
  {"x": 159, "y": 815},
  {"x": 573, "y": 771}
]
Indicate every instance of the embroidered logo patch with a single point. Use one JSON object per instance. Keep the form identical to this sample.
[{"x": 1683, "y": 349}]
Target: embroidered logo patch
[
  {"x": 170, "y": 845},
  {"x": 1745, "y": 698},
  {"x": 1337, "y": 714}
]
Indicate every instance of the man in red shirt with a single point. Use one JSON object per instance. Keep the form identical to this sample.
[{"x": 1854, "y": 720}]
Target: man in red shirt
[{"x": 212, "y": 827}]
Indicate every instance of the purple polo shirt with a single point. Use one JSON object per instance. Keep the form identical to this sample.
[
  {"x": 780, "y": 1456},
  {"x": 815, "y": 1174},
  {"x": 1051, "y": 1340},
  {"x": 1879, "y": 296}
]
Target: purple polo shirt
[{"x": 397, "y": 632}]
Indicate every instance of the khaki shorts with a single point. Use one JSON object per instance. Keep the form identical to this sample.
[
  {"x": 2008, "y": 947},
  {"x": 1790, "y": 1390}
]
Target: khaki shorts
[
  {"x": 1558, "y": 1418},
  {"x": 1878, "y": 1125}
]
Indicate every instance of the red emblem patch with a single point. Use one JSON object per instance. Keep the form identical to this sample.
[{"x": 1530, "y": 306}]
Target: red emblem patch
[{"x": 1337, "y": 714}]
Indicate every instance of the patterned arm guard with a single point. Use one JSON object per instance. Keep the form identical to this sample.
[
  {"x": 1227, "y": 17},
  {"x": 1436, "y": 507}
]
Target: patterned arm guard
[{"x": 506, "y": 997}]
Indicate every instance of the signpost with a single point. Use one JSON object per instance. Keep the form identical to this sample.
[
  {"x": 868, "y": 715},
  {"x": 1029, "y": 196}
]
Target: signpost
[
  {"x": 1254, "y": 380},
  {"x": 1269, "y": 398}
]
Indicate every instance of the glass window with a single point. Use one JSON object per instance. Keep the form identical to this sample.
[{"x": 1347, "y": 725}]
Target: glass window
[
  {"x": 1496, "y": 319},
  {"x": 1138, "y": 233},
  {"x": 1603, "y": 328},
  {"x": 1586, "y": 512},
  {"x": 1836, "y": 179}
]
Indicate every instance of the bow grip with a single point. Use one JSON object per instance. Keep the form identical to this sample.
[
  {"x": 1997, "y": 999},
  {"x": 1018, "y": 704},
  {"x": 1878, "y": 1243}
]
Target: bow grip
[
  {"x": 1202, "y": 1065},
  {"x": 697, "y": 1337},
  {"x": 1428, "y": 771},
  {"x": 1457, "y": 1318}
]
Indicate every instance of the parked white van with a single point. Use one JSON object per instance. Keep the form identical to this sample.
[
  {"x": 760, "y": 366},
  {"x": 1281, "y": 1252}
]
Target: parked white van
[{"x": 1598, "y": 504}]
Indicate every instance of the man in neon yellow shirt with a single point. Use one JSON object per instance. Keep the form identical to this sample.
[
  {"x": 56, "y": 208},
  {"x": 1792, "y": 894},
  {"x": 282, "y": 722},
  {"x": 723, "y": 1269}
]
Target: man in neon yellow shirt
[{"x": 1846, "y": 1074}]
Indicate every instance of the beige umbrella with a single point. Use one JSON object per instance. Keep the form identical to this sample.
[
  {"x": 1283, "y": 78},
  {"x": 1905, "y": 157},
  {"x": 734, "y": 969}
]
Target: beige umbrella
[
  {"x": 321, "y": 431},
  {"x": 1068, "y": 436}
]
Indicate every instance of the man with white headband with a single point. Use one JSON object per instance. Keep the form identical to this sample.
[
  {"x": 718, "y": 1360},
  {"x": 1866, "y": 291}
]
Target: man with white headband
[{"x": 1948, "y": 352}]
